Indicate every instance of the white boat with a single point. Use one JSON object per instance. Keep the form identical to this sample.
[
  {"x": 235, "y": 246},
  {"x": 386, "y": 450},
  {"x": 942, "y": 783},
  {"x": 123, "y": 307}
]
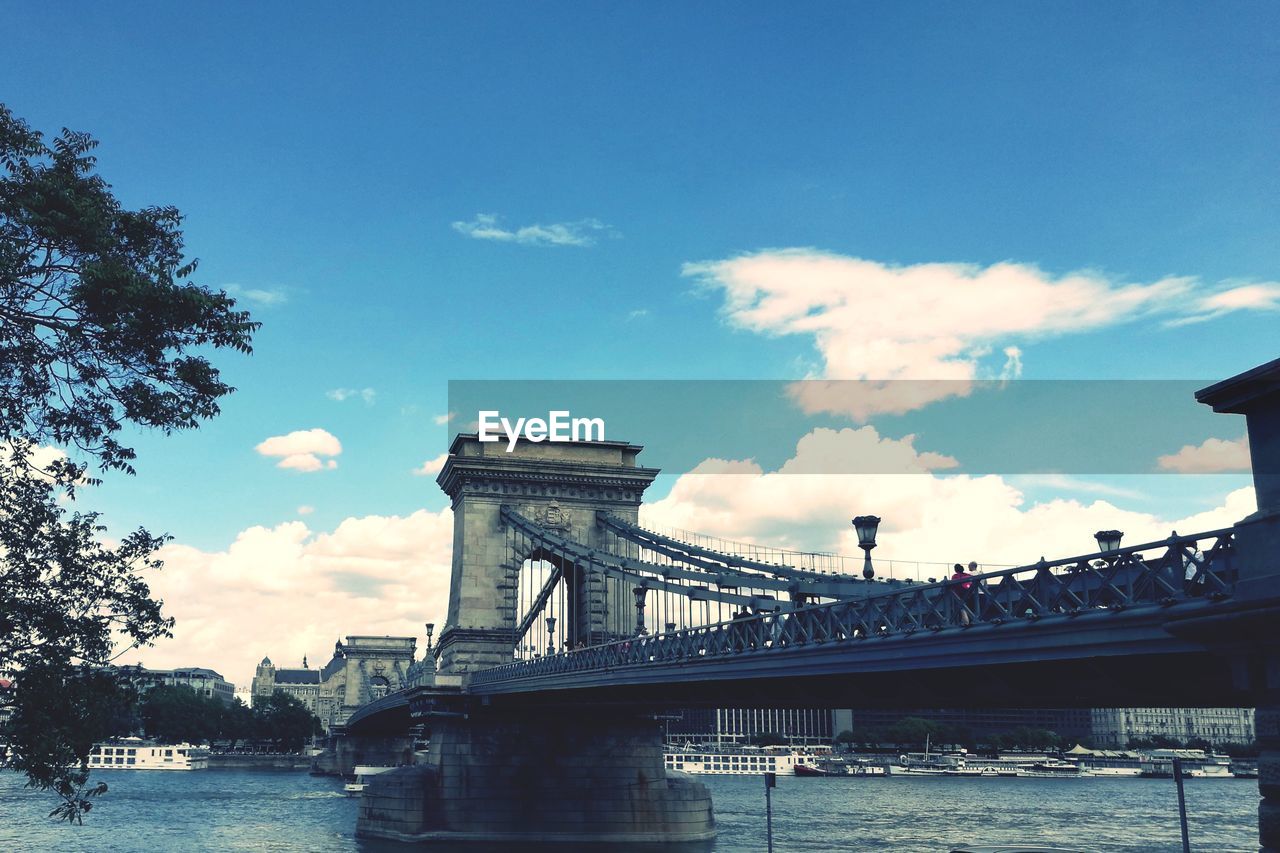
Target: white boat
[
  {"x": 744, "y": 761},
  {"x": 362, "y": 773},
  {"x": 1053, "y": 768},
  {"x": 134, "y": 753}
]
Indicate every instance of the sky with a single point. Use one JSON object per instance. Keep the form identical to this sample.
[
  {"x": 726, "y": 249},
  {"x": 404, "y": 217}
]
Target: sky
[{"x": 411, "y": 195}]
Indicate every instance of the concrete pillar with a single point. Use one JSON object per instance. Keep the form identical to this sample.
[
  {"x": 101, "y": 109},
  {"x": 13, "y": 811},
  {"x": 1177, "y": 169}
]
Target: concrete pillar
[{"x": 587, "y": 776}]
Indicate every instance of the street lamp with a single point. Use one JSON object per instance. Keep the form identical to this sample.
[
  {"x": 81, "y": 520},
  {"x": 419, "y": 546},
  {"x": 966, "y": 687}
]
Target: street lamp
[
  {"x": 866, "y": 525},
  {"x": 1108, "y": 540},
  {"x": 640, "y": 593},
  {"x": 431, "y": 629},
  {"x": 551, "y": 636}
]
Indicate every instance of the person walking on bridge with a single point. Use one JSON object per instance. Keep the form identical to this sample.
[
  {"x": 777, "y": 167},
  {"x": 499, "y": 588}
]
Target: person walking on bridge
[{"x": 964, "y": 590}]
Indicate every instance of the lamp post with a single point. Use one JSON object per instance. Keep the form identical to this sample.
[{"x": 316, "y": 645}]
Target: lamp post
[
  {"x": 1108, "y": 540},
  {"x": 866, "y": 525},
  {"x": 551, "y": 635},
  {"x": 640, "y": 593},
  {"x": 431, "y": 629}
]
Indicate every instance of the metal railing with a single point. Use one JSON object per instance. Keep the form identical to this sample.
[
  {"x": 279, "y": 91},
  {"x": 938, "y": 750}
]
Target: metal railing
[{"x": 1111, "y": 580}]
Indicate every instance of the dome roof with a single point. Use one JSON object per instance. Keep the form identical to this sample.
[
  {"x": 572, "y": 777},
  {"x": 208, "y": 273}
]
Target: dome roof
[{"x": 265, "y": 662}]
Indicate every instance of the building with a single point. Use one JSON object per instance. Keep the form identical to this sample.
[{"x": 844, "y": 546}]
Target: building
[
  {"x": 205, "y": 682},
  {"x": 1104, "y": 728},
  {"x": 741, "y": 725},
  {"x": 6, "y": 699},
  {"x": 1072, "y": 723},
  {"x": 362, "y": 669},
  {"x": 1114, "y": 727}
]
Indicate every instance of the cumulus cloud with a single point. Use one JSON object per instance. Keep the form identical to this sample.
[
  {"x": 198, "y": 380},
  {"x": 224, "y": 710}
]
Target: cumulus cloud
[
  {"x": 441, "y": 420},
  {"x": 287, "y": 590},
  {"x": 431, "y": 467},
  {"x": 340, "y": 395},
  {"x": 934, "y": 322},
  {"x": 1212, "y": 456},
  {"x": 485, "y": 226},
  {"x": 306, "y": 509},
  {"x": 301, "y": 450},
  {"x": 936, "y": 519}
]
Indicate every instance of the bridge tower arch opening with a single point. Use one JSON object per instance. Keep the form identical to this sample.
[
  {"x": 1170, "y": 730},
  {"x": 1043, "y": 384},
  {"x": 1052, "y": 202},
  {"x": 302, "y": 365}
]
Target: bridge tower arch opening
[{"x": 560, "y": 486}]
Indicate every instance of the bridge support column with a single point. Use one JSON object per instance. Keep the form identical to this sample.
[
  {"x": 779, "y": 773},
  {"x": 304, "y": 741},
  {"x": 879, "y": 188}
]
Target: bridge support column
[
  {"x": 1256, "y": 395},
  {"x": 587, "y": 776},
  {"x": 1268, "y": 723}
]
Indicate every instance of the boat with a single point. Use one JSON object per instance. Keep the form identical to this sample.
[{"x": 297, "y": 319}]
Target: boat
[
  {"x": 814, "y": 770},
  {"x": 745, "y": 760},
  {"x": 134, "y": 753},
  {"x": 362, "y": 772},
  {"x": 1196, "y": 764},
  {"x": 1053, "y": 768}
]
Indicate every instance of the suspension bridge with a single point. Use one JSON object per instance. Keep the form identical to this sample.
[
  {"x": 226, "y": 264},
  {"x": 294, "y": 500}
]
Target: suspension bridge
[{"x": 572, "y": 627}]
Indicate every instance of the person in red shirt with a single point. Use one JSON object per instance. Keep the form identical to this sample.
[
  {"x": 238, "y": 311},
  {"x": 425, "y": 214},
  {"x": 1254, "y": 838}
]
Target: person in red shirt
[{"x": 961, "y": 577}]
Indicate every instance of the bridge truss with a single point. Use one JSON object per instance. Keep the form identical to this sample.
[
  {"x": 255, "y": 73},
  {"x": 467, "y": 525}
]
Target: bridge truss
[{"x": 639, "y": 598}]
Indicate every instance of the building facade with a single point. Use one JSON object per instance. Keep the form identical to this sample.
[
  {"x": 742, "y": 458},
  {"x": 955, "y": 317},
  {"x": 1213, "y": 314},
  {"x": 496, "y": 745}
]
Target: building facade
[
  {"x": 205, "y": 682},
  {"x": 740, "y": 725},
  {"x": 1073, "y": 723},
  {"x": 362, "y": 669},
  {"x": 1114, "y": 727}
]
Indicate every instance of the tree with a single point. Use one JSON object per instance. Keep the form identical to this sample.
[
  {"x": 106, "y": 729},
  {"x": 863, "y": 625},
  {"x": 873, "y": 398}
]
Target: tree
[
  {"x": 99, "y": 329},
  {"x": 285, "y": 721}
]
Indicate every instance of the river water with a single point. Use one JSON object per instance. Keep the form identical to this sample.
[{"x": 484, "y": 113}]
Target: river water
[{"x": 247, "y": 810}]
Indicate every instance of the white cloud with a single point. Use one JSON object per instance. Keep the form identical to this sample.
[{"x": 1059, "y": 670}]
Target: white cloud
[
  {"x": 582, "y": 232},
  {"x": 1212, "y": 456},
  {"x": 259, "y": 297},
  {"x": 637, "y": 314},
  {"x": 431, "y": 467},
  {"x": 935, "y": 322},
  {"x": 441, "y": 420},
  {"x": 301, "y": 450},
  {"x": 1248, "y": 297},
  {"x": 306, "y": 509},
  {"x": 287, "y": 591},
  {"x": 927, "y": 517},
  {"x": 340, "y": 395}
]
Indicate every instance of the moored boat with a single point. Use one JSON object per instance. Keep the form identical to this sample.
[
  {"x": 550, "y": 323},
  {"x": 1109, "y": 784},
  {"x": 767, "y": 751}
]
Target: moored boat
[{"x": 132, "y": 753}]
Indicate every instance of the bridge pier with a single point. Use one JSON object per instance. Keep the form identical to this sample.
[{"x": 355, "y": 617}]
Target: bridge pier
[
  {"x": 581, "y": 776},
  {"x": 1256, "y": 395},
  {"x": 344, "y": 752}
]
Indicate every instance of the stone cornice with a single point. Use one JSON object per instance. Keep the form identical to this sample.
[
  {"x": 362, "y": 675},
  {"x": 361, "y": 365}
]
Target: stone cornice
[{"x": 462, "y": 471}]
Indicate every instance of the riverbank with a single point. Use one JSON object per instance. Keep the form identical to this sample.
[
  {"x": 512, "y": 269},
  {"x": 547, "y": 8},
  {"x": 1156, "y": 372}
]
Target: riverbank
[{"x": 249, "y": 761}]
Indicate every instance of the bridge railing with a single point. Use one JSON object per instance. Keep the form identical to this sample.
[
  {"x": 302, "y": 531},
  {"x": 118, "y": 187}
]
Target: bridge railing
[{"x": 1190, "y": 568}]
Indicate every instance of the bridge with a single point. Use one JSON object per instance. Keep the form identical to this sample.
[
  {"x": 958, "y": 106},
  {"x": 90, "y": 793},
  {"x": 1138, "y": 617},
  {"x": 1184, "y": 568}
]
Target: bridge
[{"x": 571, "y": 627}]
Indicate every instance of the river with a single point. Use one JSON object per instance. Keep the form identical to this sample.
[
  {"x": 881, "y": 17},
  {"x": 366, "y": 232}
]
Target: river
[{"x": 253, "y": 810}]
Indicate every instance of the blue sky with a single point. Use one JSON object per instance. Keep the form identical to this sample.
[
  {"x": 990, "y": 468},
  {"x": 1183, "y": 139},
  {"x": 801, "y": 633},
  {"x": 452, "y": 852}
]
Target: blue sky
[{"x": 323, "y": 153}]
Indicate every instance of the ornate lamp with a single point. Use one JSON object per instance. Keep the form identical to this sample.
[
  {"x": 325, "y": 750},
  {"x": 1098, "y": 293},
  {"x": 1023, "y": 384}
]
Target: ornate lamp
[
  {"x": 640, "y": 593},
  {"x": 551, "y": 636},
  {"x": 1108, "y": 540},
  {"x": 431, "y": 629},
  {"x": 867, "y": 525}
]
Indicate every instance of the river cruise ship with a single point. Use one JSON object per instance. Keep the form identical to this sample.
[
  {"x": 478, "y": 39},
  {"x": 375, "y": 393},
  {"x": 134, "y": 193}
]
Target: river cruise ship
[
  {"x": 137, "y": 754},
  {"x": 744, "y": 761}
]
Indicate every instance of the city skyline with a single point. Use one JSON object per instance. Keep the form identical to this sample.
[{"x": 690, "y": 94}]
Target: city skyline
[{"x": 421, "y": 197}]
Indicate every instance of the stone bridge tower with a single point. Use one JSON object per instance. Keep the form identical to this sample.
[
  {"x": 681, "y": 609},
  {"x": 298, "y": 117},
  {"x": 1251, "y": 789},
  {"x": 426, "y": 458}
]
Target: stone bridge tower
[{"x": 560, "y": 485}]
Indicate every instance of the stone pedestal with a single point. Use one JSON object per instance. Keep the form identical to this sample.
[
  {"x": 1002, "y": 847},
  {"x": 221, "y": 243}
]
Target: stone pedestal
[{"x": 589, "y": 777}]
